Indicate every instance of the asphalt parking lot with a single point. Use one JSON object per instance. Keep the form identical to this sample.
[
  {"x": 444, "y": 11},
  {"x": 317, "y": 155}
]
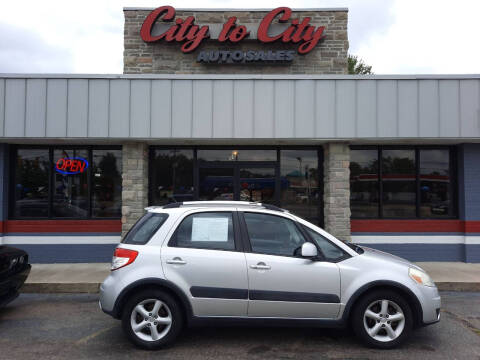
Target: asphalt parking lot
[{"x": 39, "y": 326}]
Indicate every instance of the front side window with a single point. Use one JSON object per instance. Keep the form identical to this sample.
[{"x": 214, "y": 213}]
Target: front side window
[
  {"x": 145, "y": 228},
  {"x": 329, "y": 250},
  {"x": 404, "y": 183},
  {"x": 273, "y": 235},
  {"x": 210, "y": 230},
  {"x": 66, "y": 183}
]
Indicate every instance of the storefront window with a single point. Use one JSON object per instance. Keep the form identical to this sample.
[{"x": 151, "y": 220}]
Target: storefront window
[
  {"x": 236, "y": 155},
  {"x": 300, "y": 192},
  {"x": 364, "y": 183},
  {"x": 408, "y": 189},
  {"x": 31, "y": 183},
  {"x": 107, "y": 183},
  {"x": 435, "y": 183},
  {"x": 171, "y": 176},
  {"x": 69, "y": 183}
]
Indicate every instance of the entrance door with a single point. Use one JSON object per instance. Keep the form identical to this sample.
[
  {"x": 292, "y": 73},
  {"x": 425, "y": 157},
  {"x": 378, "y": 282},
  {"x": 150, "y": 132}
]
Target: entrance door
[{"x": 244, "y": 181}]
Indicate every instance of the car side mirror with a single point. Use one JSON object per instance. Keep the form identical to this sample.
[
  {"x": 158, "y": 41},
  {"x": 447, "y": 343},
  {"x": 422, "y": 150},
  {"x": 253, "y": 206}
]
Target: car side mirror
[{"x": 309, "y": 250}]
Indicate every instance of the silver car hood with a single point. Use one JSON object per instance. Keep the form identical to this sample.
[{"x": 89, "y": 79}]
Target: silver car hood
[{"x": 377, "y": 254}]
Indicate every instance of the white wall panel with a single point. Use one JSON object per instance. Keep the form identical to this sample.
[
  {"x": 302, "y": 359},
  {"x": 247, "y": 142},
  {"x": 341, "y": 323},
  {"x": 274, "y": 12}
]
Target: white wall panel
[
  {"x": 284, "y": 113},
  {"x": 428, "y": 116},
  {"x": 262, "y": 107},
  {"x": 15, "y": 108},
  {"x": 325, "y": 97},
  {"x": 469, "y": 107},
  {"x": 222, "y": 109},
  {"x": 119, "y": 112},
  {"x": 140, "y": 108},
  {"x": 182, "y": 109},
  {"x": 243, "y": 99},
  {"x": 202, "y": 109},
  {"x": 387, "y": 108},
  {"x": 449, "y": 108},
  {"x": 161, "y": 117},
  {"x": 98, "y": 108},
  {"x": 77, "y": 121},
  {"x": 263, "y": 122},
  {"x": 304, "y": 108},
  {"x": 2, "y": 105},
  {"x": 57, "y": 96},
  {"x": 408, "y": 108},
  {"x": 345, "y": 109},
  {"x": 36, "y": 102}
]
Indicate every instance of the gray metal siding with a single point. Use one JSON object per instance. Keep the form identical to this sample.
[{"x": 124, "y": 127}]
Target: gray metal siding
[{"x": 349, "y": 108}]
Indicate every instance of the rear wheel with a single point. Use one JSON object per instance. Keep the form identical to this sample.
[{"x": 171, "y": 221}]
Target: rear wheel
[
  {"x": 152, "y": 319},
  {"x": 382, "y": 319}
]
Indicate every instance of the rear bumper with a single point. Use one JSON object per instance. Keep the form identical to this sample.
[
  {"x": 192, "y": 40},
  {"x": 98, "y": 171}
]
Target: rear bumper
[{"x": 9, "y": 288}]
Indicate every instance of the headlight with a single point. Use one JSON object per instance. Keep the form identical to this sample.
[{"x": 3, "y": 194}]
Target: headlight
[{"x": 420, "y": 277}]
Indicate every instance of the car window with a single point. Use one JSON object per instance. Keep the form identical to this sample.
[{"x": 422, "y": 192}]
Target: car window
[
  {"x": 209, "y": 230},
  {"x": 273, "y": 235},
  {"x": 144, "y": 228},
  {"x": 329, "y": 250}
]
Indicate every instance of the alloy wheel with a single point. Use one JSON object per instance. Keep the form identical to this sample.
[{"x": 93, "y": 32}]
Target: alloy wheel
[
  {"x": 151, "y": 320},
  {"x": 384, "y": 320}
]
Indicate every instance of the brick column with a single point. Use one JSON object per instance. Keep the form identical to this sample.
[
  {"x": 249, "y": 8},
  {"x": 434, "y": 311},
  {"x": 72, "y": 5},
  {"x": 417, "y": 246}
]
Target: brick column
[
  {"x": 337, "y": 190},
  {"x": 134, "y": 183}
]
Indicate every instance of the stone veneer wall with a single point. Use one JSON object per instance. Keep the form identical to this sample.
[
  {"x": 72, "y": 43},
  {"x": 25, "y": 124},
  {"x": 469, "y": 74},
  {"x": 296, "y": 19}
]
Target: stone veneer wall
[
  {"x": 134, "y": 183},
  {"x": 337, "y": 190},
  {"x": 328, "y": 57}
]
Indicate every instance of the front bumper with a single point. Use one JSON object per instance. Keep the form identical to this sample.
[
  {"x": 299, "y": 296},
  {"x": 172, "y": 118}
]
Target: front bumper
[
  {"x": 11, "y": 285},
  {"x": 431, "y": 304}
]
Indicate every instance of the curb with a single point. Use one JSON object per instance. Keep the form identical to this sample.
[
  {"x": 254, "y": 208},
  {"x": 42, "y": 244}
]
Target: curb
[{"x": 93, "y": 288}]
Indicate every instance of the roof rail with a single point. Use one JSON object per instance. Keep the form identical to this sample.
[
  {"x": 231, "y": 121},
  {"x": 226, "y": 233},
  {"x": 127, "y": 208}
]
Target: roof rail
[{"x": 222, "y": 203}]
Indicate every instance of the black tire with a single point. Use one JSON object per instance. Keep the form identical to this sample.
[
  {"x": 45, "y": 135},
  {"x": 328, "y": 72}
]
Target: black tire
[
  {"x": 357, "y": 319},
  {"x": 176, "y": 316}
]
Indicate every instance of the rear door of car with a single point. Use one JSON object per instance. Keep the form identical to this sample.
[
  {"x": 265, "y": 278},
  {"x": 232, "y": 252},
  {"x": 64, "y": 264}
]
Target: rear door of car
[
  {"x": 281, "y": 283},
  {"x": 204, "y": 257}
]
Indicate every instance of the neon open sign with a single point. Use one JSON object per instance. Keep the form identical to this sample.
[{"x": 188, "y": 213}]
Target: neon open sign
[{"x": 70, "y": 166}]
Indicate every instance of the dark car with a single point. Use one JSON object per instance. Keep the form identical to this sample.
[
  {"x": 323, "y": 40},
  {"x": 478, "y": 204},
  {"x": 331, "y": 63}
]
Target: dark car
[{"x": 14, "y": 269}]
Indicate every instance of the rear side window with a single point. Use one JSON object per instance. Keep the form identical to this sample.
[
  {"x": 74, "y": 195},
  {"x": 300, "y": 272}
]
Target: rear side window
[
  {"x": 210, "y": 230},
  {"x": 329, "y": 250},
  {"x": 144, "y": 228}
]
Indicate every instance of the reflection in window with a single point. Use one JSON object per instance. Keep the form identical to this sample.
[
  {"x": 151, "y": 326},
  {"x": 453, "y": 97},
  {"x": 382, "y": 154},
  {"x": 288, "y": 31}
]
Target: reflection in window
[
  {"x": 236, "y": 155},
  {"x": 300, "y": 192},
  {"x": 364, "y": 183},
  {"x": 434, "y": 183},
  {"x": 402, "y": 179},
  {"x": 398, "y": 176},
  {"x": 257, "y": 184},
  {"x": 107, "y": 183},
  {"x": 172, "y": 176},
  {"x": 70, "y": 196},
  {"x": 31, "y": 183}
]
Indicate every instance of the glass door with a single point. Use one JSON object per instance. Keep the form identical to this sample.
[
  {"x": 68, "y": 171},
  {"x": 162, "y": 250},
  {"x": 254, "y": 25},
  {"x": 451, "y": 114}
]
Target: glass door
[
  {"x": 257, "y": 184},
  {"x": 216, "y": 183}
]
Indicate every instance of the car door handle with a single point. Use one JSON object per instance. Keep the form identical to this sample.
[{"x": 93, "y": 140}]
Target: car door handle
[
  {"x": 261, "y": 266},
  {"x": 176, "y": 261}
]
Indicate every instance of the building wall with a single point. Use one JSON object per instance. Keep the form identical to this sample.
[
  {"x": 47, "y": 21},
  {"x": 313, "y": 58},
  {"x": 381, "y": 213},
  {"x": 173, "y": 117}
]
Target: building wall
[{"x": 328, "y": 57}]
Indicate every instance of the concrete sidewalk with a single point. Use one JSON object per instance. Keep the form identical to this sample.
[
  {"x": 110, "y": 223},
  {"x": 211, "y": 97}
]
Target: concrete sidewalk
[{"x": 86, "y": 278}]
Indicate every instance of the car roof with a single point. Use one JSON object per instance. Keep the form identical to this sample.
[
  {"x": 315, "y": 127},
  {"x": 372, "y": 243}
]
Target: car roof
[{"x": 215, "y": 204}]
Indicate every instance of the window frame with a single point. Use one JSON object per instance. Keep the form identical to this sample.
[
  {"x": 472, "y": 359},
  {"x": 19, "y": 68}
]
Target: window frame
[
  {"x": 51, "y": 180},
  {"x": 238, "y": 246},
  {"x": 453, "y": 172}
]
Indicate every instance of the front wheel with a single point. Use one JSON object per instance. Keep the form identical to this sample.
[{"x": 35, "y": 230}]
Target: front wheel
[
  {"x": 152, "y": 319},
  {"x": 382, "y": 319}
]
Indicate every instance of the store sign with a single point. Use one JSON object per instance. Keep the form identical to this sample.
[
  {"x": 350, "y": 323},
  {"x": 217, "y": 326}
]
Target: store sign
[
  {"x": 185, "y": 31},
  {"x": 70, "y": 166}
]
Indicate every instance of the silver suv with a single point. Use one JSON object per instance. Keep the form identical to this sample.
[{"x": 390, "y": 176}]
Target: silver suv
[{"x": 198, "y": 262}]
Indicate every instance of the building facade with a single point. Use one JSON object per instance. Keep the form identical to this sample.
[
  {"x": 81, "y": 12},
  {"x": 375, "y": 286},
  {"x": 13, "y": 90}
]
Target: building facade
[{"x": 250, "y": 105}]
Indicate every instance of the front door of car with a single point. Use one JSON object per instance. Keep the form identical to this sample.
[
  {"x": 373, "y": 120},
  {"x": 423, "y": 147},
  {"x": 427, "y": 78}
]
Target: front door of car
[
  {"x": 202, "y": 257},
  {"x": 281, "y": 283}
]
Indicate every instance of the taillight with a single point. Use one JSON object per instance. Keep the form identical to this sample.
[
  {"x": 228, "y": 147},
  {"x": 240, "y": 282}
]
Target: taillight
[{"x": 123, "y": 257}]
